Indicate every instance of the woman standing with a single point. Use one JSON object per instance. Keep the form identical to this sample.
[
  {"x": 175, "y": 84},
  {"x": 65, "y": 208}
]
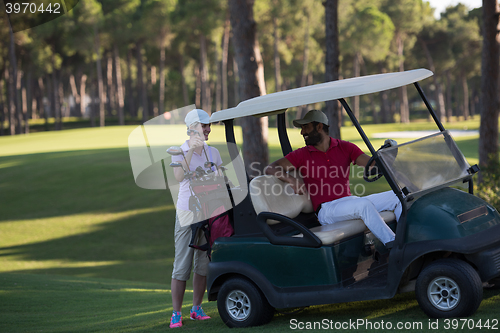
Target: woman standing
[{"x": 198, "y": 124}]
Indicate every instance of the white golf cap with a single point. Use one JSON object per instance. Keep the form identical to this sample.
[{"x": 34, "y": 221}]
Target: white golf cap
[{"x": 197, "y": 116}]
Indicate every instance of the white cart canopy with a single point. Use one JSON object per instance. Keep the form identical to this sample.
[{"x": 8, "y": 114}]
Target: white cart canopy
[{"x": 278, "y": 102}]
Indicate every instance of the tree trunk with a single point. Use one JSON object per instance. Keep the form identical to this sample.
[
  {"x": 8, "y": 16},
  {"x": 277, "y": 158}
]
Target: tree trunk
[
  {"x": 333, "y": 111},
  {"x": 473, "y": 103},
  {"x": 11, "y": 79},
  {"x": 212, "y": 88},
  {"x": 488, "y": 130},
  {"x": 356, "y": 73},
  {"x": 41, "y": 106},
  {"x": 3, "y": 107},
  {"x": 132, "y": 110},
  {"x": 29, "y": 99},
  {"x": 74, "y": 92},
  {"x": 373, "y": 106},
  {"x": 83, "y": 80},
  {"x": 384, "y": 106},
  {"x": 56, "y": 105},
  {"x": 236, "y": 78},
  {"x": 465, "y": 92},
  {"x": 403, "y": 92},
  {"x": 277, "y": 62},
  {"x": 384, "y": 99},
  {"x": 153, "y": 75},
  {"x": 185, "y": 94},
  {"x": 305, "y": 66},
  {"x": 225, "y": 51},
  {"x": 197, "y": 97},
  {"x": 305, "y": 60},
  {"x": 438, "y": 95},
  {"x": 153, "y": 105},
  {"x": 119, "y": 85},
  {"x": 50, "y": 106},
  {"x": 110, "y": 90},
  {"x": 64, "y": 107},
  {"x": 25, "y": 110},
  {"x": 251, "y": 73},
  {"x": 404, "y": 108},
  {"x": 34, "y": 99},
  {"x": 19, "y": 103},
  {"x": 393, "y": 108},
  {"x": 218, "y": 84},
  {"x": 205, "y": 84},
  {"x": 34, "y": 102},
  {"x": 100, "y": 88},
  {"x": 141, "y": 86},
  {"x": 459, "y": 111},
  {"x": 95, "y": 108},
  {"x": 449, "y": 111},
  {"x": 161, "y": 89}
]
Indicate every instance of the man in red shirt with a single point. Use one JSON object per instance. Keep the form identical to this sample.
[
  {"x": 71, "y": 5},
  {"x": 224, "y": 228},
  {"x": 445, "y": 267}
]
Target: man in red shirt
[{"x": 324, "y": 164}]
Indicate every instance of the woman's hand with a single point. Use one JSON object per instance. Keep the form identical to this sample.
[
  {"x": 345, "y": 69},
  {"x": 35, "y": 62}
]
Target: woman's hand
[{"x": 195, "y": 141}]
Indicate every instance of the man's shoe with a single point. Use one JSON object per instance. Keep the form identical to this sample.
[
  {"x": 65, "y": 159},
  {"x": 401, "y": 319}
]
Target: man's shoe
[
  {"x": 176, "y": 320},
  {"x": 389, "y": 245},
  {"x": 197, "y": 313}
]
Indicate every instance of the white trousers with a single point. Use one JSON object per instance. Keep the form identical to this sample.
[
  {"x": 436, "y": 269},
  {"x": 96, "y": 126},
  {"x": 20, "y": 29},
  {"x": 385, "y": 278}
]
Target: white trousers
[{"x": 364, "y": 208}]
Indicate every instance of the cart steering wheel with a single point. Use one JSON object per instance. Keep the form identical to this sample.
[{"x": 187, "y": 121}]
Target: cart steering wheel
[{"x": 374, "y": 171}]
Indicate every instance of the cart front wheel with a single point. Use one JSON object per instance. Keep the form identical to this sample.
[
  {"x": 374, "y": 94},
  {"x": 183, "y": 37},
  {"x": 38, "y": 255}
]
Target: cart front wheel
[
  {"x": 449, "y": 288},
  {"x": 241, "y": 304}
]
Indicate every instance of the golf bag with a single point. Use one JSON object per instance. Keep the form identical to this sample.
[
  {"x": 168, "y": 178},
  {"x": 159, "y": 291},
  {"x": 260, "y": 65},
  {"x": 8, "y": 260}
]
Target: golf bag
[{"x": 212, "y": 206}]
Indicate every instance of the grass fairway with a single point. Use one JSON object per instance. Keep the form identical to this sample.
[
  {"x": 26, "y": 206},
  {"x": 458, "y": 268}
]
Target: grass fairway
[
  {"x": 83, "y": 249},
  {"x": 56, "y": 303}
]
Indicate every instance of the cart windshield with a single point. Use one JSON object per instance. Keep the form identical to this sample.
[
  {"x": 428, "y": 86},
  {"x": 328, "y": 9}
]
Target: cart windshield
[{"x": 426, "y": 164}]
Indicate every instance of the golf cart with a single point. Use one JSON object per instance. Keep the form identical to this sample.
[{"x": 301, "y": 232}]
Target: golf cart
[{"x": 447, "y": 240}]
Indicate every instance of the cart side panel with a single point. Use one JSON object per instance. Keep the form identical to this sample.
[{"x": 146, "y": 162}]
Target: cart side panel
[
  {"x": 447, "y": 214},
  {"x": 283, "y": 266}
]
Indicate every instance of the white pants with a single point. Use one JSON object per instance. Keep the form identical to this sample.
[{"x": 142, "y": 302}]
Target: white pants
[{"x": 364, "y": 208}]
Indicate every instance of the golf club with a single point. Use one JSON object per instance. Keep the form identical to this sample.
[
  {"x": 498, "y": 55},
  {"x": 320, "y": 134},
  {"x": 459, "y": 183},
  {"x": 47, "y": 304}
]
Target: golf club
[
  {"x": 174, "y": 151},
  {"x": 176, "y": 165},
  {"x": 200, "y": 172}
]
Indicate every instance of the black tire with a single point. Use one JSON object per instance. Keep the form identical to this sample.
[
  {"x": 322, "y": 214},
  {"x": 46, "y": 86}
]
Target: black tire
[
  {"x": 242, "y": 304},
  {"x": 449, "y": 288}
]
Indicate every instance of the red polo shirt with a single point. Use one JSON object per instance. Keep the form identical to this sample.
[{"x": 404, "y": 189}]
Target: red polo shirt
[{"x": 326, "y": 174}]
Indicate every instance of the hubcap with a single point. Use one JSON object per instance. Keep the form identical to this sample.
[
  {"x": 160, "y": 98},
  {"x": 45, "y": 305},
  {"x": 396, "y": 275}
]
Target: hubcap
[
  {"x": 238, "y": 305},
  {"x": 444, "y": 293}
]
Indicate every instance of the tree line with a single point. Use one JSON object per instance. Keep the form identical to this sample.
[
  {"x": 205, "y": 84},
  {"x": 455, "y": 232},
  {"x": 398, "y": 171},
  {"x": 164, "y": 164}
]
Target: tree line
[{"x": 116, "y": 61}]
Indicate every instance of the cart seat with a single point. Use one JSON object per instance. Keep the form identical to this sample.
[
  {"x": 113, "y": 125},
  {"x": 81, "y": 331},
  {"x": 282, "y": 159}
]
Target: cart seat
[
  {"x": 269, "y": 194},
  {"x": 331, "y": 233}
]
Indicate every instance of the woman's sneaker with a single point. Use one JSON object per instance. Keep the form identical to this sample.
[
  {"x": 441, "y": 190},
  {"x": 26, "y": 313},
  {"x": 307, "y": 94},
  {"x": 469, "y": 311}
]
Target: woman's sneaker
[
  {"x": 176, "y": 320},
  {"x": 197, "y": 313}
]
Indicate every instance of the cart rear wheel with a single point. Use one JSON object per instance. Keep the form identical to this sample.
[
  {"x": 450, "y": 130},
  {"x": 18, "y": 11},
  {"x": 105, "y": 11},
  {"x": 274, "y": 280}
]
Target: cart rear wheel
[
  {"x": 449, "y": 288},
  {"x": 242, "y": 304}
]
